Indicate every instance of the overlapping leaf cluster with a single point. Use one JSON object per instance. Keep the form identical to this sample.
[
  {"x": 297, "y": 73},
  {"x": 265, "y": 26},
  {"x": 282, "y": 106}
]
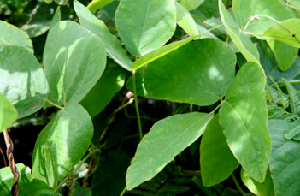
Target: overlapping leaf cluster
[{"x": 254, "y": 121}]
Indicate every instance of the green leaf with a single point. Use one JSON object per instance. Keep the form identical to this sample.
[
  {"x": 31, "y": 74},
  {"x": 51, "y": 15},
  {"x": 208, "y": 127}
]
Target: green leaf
[
  {"x": 56, "y": 18},
  {"x": 240, "y": 39},
  {"x": 23, "y": 80},
  {"x": 285, "y": 54},
  {"x": 287, "y": 31},
  {"x": 97, "y": 4},
  {"x": 243, "y": 117},
  {"x": 153, "y": 27},
  {"x": 216, "y": 159},
  {"x": 293, "y": 96},
  {"x": 191, "y": 4},
  {"x": 244, "y": 10},
  {"x": 260, "y": 189},
  {"x": 29, "y": 186},
  {"x": 165, "y": 140},
  {"x": 186, "y": 21},
  {"x": 294, "y": 3},
  {"x": 202, "y": 79},
  {"x": 48, "y": 1},
  {"x": 111, "y": 43},
  {"x": 285, "y": 160},
  {"x": 109, "y": 178},
  {"x": 8, "y": 113},
  {"x": 270, "y": 66},
  {"x": 11, "y": 35},
  {"x": 283, "y": 99},
  {"x": 292, "y": 130},
  {"x": 107, "y": 86},
  {"x": 61, "y": 144},
  {"x": 74, "y": 60}
]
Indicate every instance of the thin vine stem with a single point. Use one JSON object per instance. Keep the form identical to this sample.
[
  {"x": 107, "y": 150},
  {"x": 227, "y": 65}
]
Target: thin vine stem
[
  {"x": 237, "y": 185},
  {"x": 136, "y": 102},
  {"x": 58, "y": 106}
]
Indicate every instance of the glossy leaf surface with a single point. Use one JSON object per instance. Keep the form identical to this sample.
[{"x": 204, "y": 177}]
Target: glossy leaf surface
[
  {"x": 29, "y": 186},
  {"x": 243, "y": 117},
  {"x": 216, "y": 159},
  {"x": 260, "y": 189},
  {"x": 153, "y": 27},
  {"x": 11, "y": 35},
  {"x": 201, "y": 71},
  {"x": 240, "y": 39},
  {"x": 22, "y": 80},
  {"x": 107, "y": 86},
  {"x": 8, "y": 113},
  {"x": 165, "y": 140},
  {"x": 111, "y": 43},
  {"x": 61, "y": 144},
  {"x": 285, "y": 160},
  {"x": 74, "y": 60},
  {"x": 287, "y": 31},
  {"x": 285, "y": 54}
]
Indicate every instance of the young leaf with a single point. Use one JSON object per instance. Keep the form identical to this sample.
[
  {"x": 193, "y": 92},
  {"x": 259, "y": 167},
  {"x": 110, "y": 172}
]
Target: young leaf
[
  {"x": 111, "y": 43},
  {"x": 22, "y": 80},
  {"x": 200, "y": 77},
  {"x": 216, "y": 159},
  {"x": 292, "y": 130},
  {"x": 11, "y": 35},
  {"x": 153, "y": 27},
  {"x": 74, "y": 60},
  {"x": 260, "y": 189},
  {"x": 61, "y": 144},
  {"x": 107, "y": 86},
  {"x": 28, "y": 185},
  {"x": 240, "y": 39},
  {"x": 287, "y": 31},
  {"x": 285, "y": 160},
  {"x": 165, "y": 140},
  {"x": 243, "y": 116},
  {"x": 186, "y": 21},
  {"x": 283, "y": 99},
  {"x": 8, "y": 113},
  {"x": 293, "y": 95}
]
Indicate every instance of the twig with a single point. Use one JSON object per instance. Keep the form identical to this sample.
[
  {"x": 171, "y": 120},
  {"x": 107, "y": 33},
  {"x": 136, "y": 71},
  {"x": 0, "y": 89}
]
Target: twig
[
  {"x": 15, "y": 189},
  {"x": 3, "y": 156}
]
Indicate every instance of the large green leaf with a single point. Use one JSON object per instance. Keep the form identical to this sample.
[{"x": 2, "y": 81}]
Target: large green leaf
[
  {"x": 8, "y": 113},
  {"x": 198, "y": 73},
  {"x": 285, "y": 160},
  {"x": 191, "y": 4},
  {"x": 61, "y": 144},
  {"x": 22, "y": 80},
  {"x": 29, "y": 186},
  {"x": 165, "y": 140},
  {"x": 244, "y": 10},
  {"x": 11, "y": 35},
  {"x": 74, "y": 60},
  {"x": 240, "y": 39},
  {"x": 287, "y": 31},
  {"x": 186, "y": 21},
  {"x": 111, "y": 43},
  {"x": 285, "y": 54},
  {"x": 260, "y": 189},
  {"x": 145, "y": 25},
  {"x": 243, "y": 117},
  {"x": 107, "y": 86},
  {"x": 216, "y": 159}
]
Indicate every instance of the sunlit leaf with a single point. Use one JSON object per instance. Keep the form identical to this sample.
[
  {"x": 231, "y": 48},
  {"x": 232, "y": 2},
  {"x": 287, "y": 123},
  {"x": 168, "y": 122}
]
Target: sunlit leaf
[
  {"x": 243, "y": 116},
  {"x": 8, "y": 113},
  {"x": 165, "y": 140},
  {"x": 191, "y": 4},
  {"x": 153, "y": 27}
]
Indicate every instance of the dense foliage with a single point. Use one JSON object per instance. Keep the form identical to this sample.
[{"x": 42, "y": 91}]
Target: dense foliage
[{"x": 150, "y": 97}]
